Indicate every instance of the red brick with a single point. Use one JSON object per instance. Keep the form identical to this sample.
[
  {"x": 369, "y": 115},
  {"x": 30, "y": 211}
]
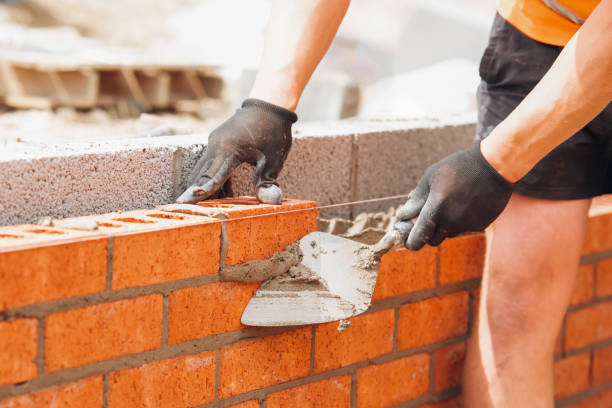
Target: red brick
[
  {"x": 368, "y": 336},
  {"x": 394, "y": 382},
  {"x": 402, "y": 271},
  {"x": 179, "y": 249},
  {"x": 601, "y": 400},
  {"x": 181, "y": 382},
  {"x": 452, "y": 403},
  {"x": 85, "y": 393},
  {"x": 100, "y": 332},
  {"x": 263, "y": 362},
  {"x": 53, "y": 270},
  {"x": 433, "y": 320},
  {"x": 462, "y": 258},
  {"x": 206, "y": 310},
  {"x": 571, "y": 375},
  {"x": 334, "y": 392},
  {"x": 604, "y": 278},
  {"x": 17, "y": 350},
  {"x": 260, "y": 237},
  {"x": 588, "y": 325},
  {"x": 448, "y": 366},
  {"x": 583, "y": 288},
  {"x": 293, "y": 226},
  {"x": 602, "y": 366},
  {"x": 598, "y": 234},
  {"x": 246, "y": 404}
]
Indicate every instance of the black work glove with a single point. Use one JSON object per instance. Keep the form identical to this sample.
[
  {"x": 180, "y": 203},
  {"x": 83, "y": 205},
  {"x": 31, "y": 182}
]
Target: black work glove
[
  {"x": 460, "y": 193},
  {"x": 260, "y": 134}
]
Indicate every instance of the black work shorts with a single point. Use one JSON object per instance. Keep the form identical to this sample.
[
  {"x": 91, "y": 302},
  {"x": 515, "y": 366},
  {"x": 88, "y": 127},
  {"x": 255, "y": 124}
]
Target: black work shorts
[{"x": 511, "y": 66}]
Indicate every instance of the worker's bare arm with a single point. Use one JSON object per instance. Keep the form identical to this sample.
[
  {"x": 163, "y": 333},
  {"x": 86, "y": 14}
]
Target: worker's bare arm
[
  {"x": 298, "y": 35},
  {"x": 576, "y": 88}
]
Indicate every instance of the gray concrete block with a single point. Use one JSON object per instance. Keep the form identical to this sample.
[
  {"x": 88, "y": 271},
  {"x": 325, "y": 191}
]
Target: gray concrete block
[
  {"x": 317, "y": 168},
  {"x": 75, "y": 179},
  {"x": 392, "y": 162}
]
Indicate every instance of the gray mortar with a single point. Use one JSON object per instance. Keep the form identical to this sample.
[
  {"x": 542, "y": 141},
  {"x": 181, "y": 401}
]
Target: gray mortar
[
  {"x": 259, "y": 270},
  {"x": 331, "y": 162}
]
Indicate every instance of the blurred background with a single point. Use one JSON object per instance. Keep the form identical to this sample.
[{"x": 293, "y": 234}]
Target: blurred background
[{"x": 90, "y": 69}]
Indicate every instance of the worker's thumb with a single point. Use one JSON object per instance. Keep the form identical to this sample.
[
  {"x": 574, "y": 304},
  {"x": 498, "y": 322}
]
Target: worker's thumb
[{"x": 414, "y": 204}]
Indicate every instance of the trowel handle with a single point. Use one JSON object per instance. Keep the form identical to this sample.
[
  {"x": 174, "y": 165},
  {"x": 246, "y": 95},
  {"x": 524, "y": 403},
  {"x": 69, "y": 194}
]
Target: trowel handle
[{"x": 394, "y": 238}]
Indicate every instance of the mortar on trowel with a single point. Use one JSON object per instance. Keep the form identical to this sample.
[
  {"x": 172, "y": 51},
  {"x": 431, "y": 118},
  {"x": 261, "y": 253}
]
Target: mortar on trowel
[{"x": 326, "y": 278}]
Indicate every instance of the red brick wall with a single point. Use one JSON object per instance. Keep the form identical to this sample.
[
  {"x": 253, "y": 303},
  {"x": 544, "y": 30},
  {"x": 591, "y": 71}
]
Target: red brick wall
[{"x": 134, "y": 315}]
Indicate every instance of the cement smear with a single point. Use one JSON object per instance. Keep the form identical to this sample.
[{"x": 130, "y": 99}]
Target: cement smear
[
  {"x": 367, "y": 228},
  {"x": 298, "y": 278},
  {"x": 259, "y": 270}
]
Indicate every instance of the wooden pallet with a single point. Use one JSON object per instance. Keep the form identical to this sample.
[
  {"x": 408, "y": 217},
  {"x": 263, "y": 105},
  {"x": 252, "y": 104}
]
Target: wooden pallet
[{"x": 24, "y": 85}]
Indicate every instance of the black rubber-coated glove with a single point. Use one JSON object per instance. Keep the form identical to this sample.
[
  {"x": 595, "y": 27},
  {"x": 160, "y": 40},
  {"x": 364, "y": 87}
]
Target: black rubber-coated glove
[
  {"x": 260, "y": 134},
  {"x": 460, "y": 193}
]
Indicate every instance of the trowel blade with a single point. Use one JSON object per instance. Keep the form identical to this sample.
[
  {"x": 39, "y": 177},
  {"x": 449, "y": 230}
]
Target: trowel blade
[{"x": 338, "y": 285}]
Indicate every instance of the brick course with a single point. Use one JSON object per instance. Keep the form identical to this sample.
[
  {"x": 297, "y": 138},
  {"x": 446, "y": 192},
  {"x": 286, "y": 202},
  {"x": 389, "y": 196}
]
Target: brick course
[{"x": 137, "y": 308}]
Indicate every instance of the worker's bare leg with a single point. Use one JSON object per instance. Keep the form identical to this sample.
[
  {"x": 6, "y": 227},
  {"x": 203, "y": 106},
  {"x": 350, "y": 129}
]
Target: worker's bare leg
[{"x": 532, "y": 259}]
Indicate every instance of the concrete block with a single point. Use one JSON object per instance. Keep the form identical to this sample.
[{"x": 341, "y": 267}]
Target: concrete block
[
  {"x": 319, "y": 166},
  {"x": 392, "y": 162},
  {"x": 74, "y": 179}
]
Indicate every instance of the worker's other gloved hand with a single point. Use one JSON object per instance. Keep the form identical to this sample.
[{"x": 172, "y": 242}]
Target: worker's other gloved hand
[
  {"x": 260, "y": 134},
  {"x": 460, "y": 193}
]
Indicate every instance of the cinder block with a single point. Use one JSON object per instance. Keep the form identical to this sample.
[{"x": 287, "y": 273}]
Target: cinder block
[
  {"x": 571, "y": 375},
  {"x": 206, "y": 310},
  {"x": 604, "y": 278},
  {"x": 462, "y": 258},
  {"x": 448, "y": 366},
  {"x": 390, "y": 383},
  {"x": 432, "y": 320},
  {"x": 17, "y": 350},
  {"x": 181, "y": 382},
  {"x": 588, "y": 325},
  {"x": 101, "y": 332},
  {"x": 583, "y": 288},
  {"x": 263, "y": 362},
  {"x": 402, "y": 271},
  {"x": 602, "y": 366},
  {"x": 39, "y": 264},
  {"x": 334, "y": 392},
  {"x": 394, "y": 167},
  {"x": 152, "y": 247},
  {"x": 83, "y": 393},
  {"x": 318, "y": 167},
  {"x": 94, "y": 180},
  {"x": 367, "y": 336},
  {"x": 260, "y": 237}
]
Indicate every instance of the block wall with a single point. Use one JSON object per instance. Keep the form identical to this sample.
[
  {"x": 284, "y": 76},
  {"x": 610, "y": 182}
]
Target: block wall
[{"x": 133, "y": 314}]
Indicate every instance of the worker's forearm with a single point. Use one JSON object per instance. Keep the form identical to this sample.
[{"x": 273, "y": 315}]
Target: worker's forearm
[
  {"x": 576, "y": 88},
  {"x": 298, "y": 35}
]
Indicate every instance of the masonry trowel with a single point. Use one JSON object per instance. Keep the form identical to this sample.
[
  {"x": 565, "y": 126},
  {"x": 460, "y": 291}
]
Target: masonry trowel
[{"x": 334, "y": 280}]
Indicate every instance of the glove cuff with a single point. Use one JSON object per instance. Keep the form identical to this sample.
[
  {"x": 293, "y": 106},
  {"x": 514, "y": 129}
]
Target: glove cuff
[
  {"x": 486, "y": 167},
  {"x": 286, "y": 114}
]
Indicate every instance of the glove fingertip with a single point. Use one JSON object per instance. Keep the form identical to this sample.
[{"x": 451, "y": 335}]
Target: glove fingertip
[{"x": 269, "y": 194}]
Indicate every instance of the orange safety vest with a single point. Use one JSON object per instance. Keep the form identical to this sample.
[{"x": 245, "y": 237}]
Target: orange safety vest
[{"x": 539, "y": 21}]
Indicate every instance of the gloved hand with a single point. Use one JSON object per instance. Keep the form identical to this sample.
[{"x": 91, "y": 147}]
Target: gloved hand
[
  {"x": 460, "y": 193},
  {"x": 260, "y": 134}
]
